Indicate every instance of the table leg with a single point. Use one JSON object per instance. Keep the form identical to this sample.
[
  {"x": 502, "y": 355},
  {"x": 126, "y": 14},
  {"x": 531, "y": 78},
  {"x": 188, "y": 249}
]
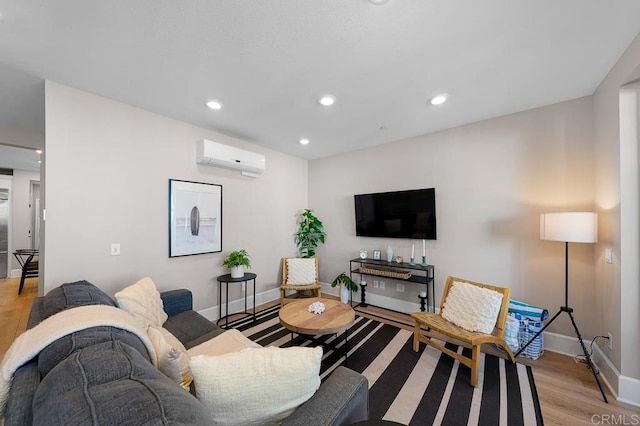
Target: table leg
[
  {"x": 226, "y": 310},
  {"x": 346, "y": 348}
]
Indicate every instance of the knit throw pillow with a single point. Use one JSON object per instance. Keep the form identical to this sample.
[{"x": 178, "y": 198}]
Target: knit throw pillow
[
  {"x": 301, "y": 271},
  {"x": 142, "y": 300},
  {"x": 256, "y": 386},
  {"x": 471, "y": 307}
]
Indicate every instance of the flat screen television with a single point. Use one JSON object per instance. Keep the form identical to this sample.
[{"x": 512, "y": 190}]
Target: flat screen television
[{"x": 399, "y": 214}]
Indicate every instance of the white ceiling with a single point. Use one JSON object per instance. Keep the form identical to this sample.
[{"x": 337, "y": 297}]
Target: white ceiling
[{"x": 269, "y": 60}]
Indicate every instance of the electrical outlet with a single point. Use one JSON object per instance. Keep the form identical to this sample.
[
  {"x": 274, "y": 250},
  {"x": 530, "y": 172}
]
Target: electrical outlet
[
  {"x": 381, "y": 284},
  {"x": 376, "y": 284},
  {"x": 608, "y": 256},
  {"x": 400, "y": 287},
  {"x": 115, "y": 249},
  {"x": 610, "y": 343}
]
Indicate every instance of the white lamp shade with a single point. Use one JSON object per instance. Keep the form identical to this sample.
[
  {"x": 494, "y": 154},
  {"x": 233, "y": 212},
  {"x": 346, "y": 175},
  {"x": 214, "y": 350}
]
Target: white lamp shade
[{"x": 572, "y": 227}]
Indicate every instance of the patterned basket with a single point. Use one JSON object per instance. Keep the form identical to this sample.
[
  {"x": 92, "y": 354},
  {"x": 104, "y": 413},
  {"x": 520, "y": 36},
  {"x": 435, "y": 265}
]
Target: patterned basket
[
  {"x": 528, "y": 329},
  {"x": 385, "y": 272}
]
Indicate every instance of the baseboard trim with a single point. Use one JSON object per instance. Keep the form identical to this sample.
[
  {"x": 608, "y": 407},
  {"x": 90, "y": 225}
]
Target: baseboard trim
[
  {"x": 629, "y": 390},
  {"x": 213, "y": 313},
  {"x": 15, "y": 273},
  {"x": 625, "y": 389}
]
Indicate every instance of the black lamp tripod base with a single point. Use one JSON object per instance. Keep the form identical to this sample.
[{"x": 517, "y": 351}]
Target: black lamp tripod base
[{"x": 569, "y": 311}]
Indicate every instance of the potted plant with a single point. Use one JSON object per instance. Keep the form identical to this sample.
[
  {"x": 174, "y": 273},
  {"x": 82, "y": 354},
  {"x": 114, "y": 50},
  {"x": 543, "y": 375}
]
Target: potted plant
[
  {"x": 237, "y": 261},
  {"x": 310, "y": 234},
  {"x": 346, "y": 285}
]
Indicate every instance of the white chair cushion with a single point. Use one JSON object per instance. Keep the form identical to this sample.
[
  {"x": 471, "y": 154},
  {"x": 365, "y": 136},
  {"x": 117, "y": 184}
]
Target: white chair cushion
[
  {"x": 301, "y": 271},
  {"x": 471, "y": 307},
  {"x": 256, "y": 386},
  {"x": 142, "y": 300}
]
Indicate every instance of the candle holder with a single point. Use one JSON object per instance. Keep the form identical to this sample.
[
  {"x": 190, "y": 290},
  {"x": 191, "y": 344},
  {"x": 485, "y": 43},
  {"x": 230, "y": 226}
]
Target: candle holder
[
  {"x": 424, "y": 260},
  {"x": 423, "y": 299},
  {"x": 363, "y": 289},
  {"x": 413, "y": 262}
]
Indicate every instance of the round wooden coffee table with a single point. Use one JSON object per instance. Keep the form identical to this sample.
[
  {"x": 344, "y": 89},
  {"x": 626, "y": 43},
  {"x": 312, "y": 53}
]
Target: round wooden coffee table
[{"x": 336, "y": 318}]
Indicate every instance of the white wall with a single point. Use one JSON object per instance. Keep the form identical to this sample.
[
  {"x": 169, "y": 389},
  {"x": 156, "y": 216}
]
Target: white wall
[
  {"x": 492, "y": 180},
  {"x": 617, "y": 291},
  {"x": 21, "y": 212},
  {"x": 107, "y": 167}
]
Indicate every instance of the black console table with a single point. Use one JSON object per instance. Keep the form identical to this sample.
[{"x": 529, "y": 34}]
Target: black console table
[
  {"x": 226, "y": 279},
  {"x": 404, "y": 271}
]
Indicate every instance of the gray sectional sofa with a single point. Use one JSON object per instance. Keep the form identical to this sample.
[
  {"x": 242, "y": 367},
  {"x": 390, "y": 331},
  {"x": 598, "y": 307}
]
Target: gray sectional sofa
[{"x": 103, "y": 375}]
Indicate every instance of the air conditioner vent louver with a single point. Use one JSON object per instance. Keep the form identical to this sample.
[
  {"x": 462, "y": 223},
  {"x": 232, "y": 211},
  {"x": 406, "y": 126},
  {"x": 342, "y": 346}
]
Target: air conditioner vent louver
[{"x": 219, "y": 155}]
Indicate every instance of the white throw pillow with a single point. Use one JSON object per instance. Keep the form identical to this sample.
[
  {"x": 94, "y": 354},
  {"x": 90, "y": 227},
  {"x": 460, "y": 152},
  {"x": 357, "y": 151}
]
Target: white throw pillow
[
  {"x": 301, "y": 271},
  {"x": 256, "y": 386},
  {"x": 168, "y": 356},
  {"x": 471, "y": 307},
  {"x": 142, "y": 300},
  {"x": 179, "y": 356}
]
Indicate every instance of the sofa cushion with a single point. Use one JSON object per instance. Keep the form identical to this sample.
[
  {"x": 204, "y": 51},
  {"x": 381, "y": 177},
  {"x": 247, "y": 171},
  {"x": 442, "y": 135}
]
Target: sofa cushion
[
  {"x": 229, "y": 341},
  {"x": 191, "y": 328},
  {"x": 256, "y": 386},
  {"x": 108, "y": 384},
  {"x": 79, "y": 293},
  {"x": 142, "y": 300}
]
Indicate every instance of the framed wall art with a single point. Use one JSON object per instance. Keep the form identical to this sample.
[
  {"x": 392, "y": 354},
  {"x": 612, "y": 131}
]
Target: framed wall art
[{"x": 195, "y": 218}]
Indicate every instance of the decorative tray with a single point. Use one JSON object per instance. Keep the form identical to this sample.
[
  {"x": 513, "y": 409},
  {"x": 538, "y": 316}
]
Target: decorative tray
[{"x": 385, "y": 272}]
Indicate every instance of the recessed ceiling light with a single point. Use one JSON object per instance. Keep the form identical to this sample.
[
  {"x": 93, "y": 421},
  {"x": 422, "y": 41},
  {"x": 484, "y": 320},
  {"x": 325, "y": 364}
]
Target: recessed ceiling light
[
  {"x": 38, "y": 151},
  {"x": 39, "y": 161},
  {"x": 327, "y": 100},
  {"x": 378, "y": 2},
  {"x": 303, "y": 141},
  {"x": 213, "y": 104},
  {"x": 438, "y": 99}
]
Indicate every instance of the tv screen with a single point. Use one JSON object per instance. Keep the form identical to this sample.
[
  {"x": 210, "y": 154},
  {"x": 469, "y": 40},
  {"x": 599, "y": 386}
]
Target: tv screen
[{"x": 400, "y": 214}]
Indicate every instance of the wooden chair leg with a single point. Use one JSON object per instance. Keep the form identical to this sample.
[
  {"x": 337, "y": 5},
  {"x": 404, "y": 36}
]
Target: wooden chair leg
[
  {"x": 281, "y": 297},
  {"x": 416, "y": 337},
  {"x": 475, "y": 364}
]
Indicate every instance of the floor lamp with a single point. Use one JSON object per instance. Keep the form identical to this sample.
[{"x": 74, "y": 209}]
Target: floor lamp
[{"x": 570, "y": 227}]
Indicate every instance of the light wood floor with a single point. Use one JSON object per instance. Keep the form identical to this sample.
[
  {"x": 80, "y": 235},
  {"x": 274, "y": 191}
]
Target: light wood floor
[{"x": 567, "y": 390}]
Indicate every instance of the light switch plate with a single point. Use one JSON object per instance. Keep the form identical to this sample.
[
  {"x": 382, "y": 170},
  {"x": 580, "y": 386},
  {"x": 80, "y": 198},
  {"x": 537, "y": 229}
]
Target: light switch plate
[{"x": 608, "y": 256}]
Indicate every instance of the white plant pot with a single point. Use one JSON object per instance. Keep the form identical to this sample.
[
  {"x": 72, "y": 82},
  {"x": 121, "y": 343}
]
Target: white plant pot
[
  {"x": 237, "y": 271},
  {"x": 344, "y": 294}
]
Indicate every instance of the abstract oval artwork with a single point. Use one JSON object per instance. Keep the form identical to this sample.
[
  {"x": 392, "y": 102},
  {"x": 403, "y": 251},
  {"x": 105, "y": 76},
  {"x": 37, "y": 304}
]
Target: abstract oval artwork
[{"x": 195, "y": 220}]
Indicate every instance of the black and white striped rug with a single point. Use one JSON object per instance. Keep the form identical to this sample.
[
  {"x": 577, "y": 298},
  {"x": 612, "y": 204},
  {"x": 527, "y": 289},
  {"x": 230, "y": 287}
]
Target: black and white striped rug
[{"x": 417, "y": 388}]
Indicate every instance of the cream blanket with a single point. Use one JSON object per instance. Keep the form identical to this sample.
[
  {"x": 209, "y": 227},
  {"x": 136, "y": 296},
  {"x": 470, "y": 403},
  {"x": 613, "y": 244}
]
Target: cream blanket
[{"x": 31, "y": 342}]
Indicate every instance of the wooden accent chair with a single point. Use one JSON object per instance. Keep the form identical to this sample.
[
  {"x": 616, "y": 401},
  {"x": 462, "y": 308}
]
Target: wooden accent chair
[
  {"x": 287, "y": 284},
  {"x": 436, "y": 322}
]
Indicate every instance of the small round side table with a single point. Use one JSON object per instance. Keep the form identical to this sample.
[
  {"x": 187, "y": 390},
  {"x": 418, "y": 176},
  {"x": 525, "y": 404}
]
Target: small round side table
[{"x": 226, "y": 279}]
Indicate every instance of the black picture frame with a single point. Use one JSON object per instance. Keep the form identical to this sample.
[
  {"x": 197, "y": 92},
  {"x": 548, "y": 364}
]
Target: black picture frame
[
  {"x": 195, "y": 218},
  {"x": 377, "y": 255}
]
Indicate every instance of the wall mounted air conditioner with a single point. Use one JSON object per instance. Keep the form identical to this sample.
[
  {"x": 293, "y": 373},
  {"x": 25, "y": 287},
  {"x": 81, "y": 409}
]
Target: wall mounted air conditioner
[{"x": 216, "y": 154}]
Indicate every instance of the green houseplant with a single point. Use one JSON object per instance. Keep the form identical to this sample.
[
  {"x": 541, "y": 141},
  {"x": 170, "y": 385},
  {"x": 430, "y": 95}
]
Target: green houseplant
[
  {"x": 310, "y": 234},
  {"x": 237, "y": 261},
  {"x": 346, "y": 285}
]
